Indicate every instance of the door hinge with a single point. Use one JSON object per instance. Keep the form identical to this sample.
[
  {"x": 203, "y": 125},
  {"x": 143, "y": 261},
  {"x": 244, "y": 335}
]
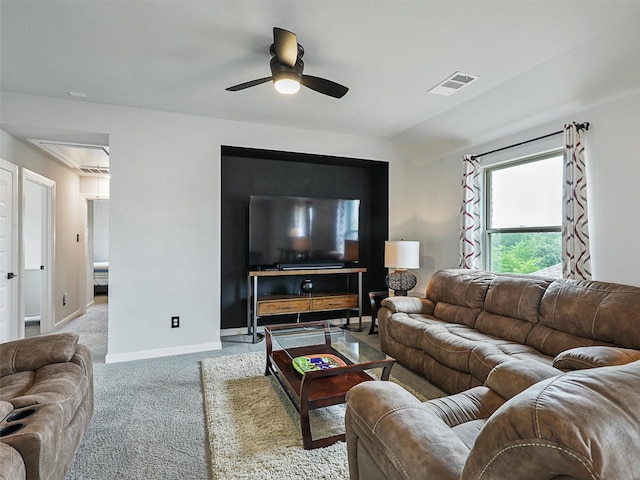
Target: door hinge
[{"x": 10, "y": 275}]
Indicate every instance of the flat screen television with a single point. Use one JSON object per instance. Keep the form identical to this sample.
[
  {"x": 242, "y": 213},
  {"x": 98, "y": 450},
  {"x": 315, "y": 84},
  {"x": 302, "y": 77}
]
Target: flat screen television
[{"x": 303, "y": 232}]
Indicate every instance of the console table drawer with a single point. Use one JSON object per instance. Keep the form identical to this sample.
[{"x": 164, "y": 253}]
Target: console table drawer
[
  {"x": 279, "y": 307},
  {"x": 337, "y": 302}
]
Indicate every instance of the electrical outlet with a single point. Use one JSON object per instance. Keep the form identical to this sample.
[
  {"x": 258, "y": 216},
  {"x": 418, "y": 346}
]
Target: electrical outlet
[
  {"x": 175, "y": 322},
  {"x": 64, "y": 299}
]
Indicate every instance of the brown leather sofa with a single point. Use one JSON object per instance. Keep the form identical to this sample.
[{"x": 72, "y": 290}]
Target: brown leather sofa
[
  {"x": 471, "y": 321},
  {"x": 544, "y": 376},
  {"x": 46, "y": 404},
  {"x": 528, "y": 421}
]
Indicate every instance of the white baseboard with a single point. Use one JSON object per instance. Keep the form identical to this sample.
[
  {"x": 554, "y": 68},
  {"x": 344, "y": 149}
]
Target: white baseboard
[
  {"x": 75, "y": 314},
  {"x": 161, "y": 352}
]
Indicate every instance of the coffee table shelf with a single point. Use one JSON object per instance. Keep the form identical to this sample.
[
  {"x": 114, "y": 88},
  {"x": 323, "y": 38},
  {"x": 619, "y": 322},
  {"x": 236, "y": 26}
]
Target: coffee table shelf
[{"x": 319, "y": 388}]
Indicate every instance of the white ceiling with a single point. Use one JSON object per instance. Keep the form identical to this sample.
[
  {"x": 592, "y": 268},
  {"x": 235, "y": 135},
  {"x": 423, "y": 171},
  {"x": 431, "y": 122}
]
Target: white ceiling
[{"x": 537, "y": 60}]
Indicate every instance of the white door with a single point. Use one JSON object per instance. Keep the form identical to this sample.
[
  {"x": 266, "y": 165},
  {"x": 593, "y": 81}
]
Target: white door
[{"x": 8, "y": 252}]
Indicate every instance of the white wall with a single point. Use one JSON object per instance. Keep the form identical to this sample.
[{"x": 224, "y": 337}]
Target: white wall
[
  {"x": 69, "y": 221},
  {"x": 165, "y": 211},
  {"x": 613, "y": 171}
]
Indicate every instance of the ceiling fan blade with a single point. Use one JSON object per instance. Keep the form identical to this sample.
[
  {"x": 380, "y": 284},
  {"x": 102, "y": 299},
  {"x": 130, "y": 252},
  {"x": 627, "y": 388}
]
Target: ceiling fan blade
[
  {"x": 324, "y": 86},
  {"x": 252, "y": 83},
  {"x": 285, "y": 46}
]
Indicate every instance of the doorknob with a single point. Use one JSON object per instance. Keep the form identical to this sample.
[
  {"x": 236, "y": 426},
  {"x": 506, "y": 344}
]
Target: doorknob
[{"x": 10, "y": 275}]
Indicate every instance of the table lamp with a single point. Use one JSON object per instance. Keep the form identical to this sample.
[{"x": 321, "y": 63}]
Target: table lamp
[{"x": 401, "y": 255}]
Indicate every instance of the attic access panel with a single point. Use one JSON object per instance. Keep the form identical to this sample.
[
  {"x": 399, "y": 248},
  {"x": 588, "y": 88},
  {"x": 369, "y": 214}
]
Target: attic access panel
[{"x": 85, "y": 159}]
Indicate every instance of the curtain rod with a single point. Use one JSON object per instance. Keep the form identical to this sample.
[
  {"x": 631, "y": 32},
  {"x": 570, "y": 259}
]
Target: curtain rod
[{"x": 580, "y": 126}]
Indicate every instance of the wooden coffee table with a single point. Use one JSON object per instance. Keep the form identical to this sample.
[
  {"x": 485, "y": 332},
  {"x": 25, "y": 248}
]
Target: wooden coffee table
[{"x": 319, "y": 388}]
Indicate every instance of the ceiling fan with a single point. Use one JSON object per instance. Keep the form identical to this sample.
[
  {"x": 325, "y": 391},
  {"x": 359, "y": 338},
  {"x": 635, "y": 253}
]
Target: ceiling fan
[{"x": 287, "y": 66}]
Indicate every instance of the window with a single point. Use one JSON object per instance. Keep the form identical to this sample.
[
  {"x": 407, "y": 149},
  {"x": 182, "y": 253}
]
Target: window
[{"x": 523, "y": 213}]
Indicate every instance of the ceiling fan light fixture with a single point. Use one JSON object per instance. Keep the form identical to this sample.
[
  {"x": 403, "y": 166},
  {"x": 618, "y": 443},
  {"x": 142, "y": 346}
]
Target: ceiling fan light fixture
[
  {"x": 286, "y": 69},
  {"x": 286, "y": 82}
]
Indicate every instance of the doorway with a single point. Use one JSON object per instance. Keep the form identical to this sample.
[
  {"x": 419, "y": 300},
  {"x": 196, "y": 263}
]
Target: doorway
[
  {"x": 9, "y": 317},
  {"x": 98, "y": 248},
  {"x": 37, "y": 247}
]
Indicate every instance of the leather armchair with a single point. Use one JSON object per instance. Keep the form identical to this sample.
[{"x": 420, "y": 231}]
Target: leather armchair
[{"x": 528, "y": 421}]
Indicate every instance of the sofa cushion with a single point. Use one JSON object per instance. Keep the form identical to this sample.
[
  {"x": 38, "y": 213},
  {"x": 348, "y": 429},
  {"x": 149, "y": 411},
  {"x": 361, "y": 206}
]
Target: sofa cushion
[
  {"x": 462, "y": 288},
  {"x": 511, "y": 306},
  {"x": 14, "y": 385},
  {"x": 551, "y": 342},
  {"x": 590, "y": 357},
  {"x": 485, "y": 357},
  {"x": 516, "y": 296},
  {"x": 456, "y": 313},
  {"x": 450, "y": 344},
  {"x": 607, "y": 312},
  {"x": 35, "y": 352},
  {"x": 407, "y": 329},
  {"x": 506, "y": 328},
  {"x": 510, "y": 378},
  {"x": 468, "y": 432},
  {"x": 458, "y": 294},
  {"x": 464, "y": 407},
  {"x": 61, "y": 383}
]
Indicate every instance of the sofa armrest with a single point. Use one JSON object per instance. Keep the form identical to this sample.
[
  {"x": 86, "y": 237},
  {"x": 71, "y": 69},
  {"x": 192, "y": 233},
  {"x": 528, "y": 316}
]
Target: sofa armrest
[
  {"x": 391, "y": 434},
  {"x": 35, "y": 352},
  {"x": 83, "y": 358},
  {"x": 597, "y": 356},
  {"x": 579, "y": 425},
  {"x": 11, "y": 463},
  {"x": 510, "y": 378},
  {"x": 409, "y": 305}
]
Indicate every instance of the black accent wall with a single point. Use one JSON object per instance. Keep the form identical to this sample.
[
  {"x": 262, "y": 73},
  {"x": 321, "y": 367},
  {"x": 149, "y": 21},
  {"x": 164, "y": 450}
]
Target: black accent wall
[{"x": 247, "y": 172}]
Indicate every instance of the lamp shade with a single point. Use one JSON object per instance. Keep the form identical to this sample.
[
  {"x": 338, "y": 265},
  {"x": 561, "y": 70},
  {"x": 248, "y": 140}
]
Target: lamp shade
[{"x": 402, "y": 254}]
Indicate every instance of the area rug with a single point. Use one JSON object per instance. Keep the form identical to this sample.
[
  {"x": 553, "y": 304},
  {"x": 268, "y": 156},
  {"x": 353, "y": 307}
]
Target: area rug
[{"x": 254, "y": 430}]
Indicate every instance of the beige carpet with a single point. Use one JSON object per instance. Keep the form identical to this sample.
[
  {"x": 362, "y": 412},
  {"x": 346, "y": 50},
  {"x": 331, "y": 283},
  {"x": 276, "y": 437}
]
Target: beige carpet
[{"x": 254, "y": 431}]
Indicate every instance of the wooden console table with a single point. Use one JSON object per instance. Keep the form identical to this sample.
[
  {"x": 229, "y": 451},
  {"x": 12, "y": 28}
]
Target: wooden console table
[{"x": 267, "y": 305}]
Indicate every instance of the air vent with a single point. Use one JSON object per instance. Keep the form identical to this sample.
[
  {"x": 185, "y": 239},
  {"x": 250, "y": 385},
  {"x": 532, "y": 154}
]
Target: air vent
[
  {"x": 453, "y": 83},
  {"x": 95, "y": 170}
]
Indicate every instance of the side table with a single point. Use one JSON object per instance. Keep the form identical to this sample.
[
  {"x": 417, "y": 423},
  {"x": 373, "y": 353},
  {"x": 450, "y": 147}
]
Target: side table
[{"x": 376, "y": 299}]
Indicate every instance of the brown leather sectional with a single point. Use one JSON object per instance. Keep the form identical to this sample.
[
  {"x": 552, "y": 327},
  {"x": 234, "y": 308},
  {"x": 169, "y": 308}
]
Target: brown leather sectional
[
  {"x": 544, "y": 376},
  {"x": 46, "y": 404},
  {"x": 471, "y": 321}
]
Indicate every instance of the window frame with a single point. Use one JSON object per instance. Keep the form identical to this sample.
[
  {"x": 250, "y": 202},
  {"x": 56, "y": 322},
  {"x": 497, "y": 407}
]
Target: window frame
[{"x": 486, "y": 210}]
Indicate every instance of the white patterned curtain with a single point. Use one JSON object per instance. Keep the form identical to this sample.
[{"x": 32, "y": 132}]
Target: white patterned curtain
[
  {"x": 576, "y": 259},
  {"x": 470, "y": 223}
]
